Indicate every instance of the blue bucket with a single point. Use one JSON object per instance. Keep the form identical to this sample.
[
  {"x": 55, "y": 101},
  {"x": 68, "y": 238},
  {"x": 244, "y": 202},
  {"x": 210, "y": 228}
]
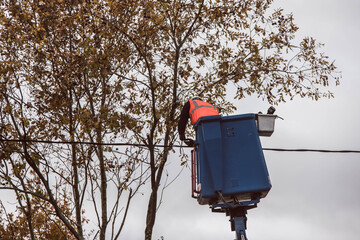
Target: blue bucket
[{"x": 230, "y": 159}]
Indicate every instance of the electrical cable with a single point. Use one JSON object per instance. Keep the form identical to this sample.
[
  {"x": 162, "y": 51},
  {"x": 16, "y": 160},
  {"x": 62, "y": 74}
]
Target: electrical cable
[
  {"x": 88, "y": 143},
  {"x": 172, "y": 146},
  {"x": 310, "y": 150}
]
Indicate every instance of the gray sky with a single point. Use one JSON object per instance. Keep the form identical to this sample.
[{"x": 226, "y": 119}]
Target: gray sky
[{"x": 314, "y": 195}]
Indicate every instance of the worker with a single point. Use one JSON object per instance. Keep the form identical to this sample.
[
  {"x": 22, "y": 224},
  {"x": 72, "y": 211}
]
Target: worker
[{"x": 194, "y": 109}]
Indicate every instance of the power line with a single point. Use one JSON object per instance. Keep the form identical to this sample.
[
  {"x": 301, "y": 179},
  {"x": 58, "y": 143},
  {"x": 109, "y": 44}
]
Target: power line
[
  {"x": 86, "y": 143},
  {"x": 310, "y": 150},
  {"x": 77, "y": 142},
  {"x": 172, "y": 146}
]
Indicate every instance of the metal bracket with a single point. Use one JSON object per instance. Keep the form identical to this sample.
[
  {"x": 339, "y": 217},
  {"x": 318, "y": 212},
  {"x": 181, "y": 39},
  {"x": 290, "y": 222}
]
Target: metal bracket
[{"x": 237, "y": 212}]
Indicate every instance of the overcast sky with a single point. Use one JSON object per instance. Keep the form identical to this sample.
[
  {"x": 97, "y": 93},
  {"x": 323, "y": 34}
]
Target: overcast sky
[{"x": 314, "y": 195}]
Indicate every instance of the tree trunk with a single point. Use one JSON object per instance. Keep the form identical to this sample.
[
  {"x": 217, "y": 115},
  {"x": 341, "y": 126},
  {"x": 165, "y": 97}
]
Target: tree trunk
[
  {"x": 103, "y": 189},
  {"x": 75, "y": 171},
  {"x": 76, "y": 193},
  {"x": 151, "y": 214}
]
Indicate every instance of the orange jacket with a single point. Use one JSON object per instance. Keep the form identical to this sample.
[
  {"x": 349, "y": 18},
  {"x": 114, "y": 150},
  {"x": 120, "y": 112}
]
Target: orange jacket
[{"x": 199, "y": 109}]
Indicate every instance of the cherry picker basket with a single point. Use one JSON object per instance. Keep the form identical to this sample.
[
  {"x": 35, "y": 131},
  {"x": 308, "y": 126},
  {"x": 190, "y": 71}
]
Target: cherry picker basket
[{"x": 228, "y": 158}]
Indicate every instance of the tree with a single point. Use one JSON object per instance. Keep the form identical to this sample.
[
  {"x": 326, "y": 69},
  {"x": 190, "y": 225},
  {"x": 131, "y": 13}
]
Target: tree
[
  {"x": 58, "y": 59},
  {"x": 207, "y": 48},
  {"x": 105, "y": 71},
  {"x": 16, "y": 226}
]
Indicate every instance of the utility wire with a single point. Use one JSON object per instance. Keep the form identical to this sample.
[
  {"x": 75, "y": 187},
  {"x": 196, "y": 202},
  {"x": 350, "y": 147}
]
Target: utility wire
[
  {"x": 86, "y": 143},
  {"x": 173, "y": 146},
  {"x": 310, "y": 150}
]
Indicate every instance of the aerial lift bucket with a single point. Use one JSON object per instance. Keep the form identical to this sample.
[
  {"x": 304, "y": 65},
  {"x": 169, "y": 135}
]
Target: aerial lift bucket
[{"x": 229, "y": 172}]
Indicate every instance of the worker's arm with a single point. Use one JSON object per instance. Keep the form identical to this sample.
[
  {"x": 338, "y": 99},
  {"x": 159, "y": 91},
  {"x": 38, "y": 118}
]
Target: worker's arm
[{"x": 184, "y": 117}]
